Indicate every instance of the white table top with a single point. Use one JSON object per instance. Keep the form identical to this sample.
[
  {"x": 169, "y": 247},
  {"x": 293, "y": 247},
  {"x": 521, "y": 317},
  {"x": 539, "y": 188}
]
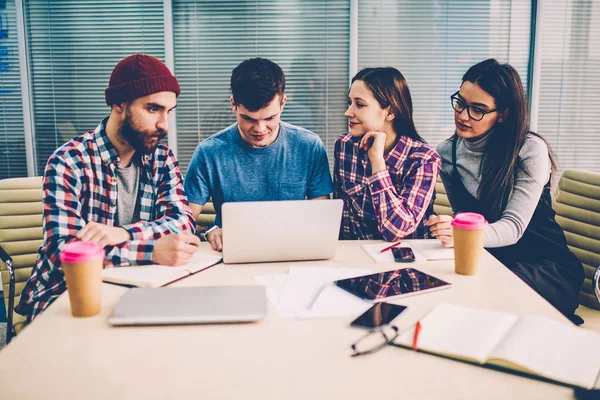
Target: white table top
[{"x": 59, "y": 356}]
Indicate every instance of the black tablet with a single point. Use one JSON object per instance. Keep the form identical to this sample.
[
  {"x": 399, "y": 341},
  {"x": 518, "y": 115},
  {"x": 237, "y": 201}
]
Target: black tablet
[{"x": 400, "y": 282}]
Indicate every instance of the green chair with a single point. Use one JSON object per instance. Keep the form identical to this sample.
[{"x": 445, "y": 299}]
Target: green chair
[
  {"x": 20, "y": 237},
  {"x": 578, "y": 213}
]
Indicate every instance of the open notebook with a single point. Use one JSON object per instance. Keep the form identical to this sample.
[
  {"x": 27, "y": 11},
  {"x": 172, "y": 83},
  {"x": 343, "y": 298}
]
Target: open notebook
[
  {"x": 533, "y": 345},
  {"x": 149, "y": 276}
]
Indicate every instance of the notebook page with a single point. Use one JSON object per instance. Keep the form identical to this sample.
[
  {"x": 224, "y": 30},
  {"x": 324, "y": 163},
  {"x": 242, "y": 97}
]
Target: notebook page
[
  {"x": 460, "y": 332},
  {"x": 159, "y": 275},
  {"x": 432, "y": 250},
  {"x": 553, "y": 350},
  {"x": 144, "y": 276},
  {"x": 202, "y": 259}
]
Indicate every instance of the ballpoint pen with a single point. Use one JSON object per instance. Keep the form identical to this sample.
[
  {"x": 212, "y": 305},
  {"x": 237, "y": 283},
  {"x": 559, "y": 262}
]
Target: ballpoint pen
[
  {"x": 416, "y": 336},
  {"x": 389, "y": 247},
  {"x": 178, "y": 232},
  {"x": 172, "y": 228}
]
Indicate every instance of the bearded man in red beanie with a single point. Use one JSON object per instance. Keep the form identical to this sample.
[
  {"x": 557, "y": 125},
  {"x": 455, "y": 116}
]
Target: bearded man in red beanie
[{"x": 116, "y": 185}]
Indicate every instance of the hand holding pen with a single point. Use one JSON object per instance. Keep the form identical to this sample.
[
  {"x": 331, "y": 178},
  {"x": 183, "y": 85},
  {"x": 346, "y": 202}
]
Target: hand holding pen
[{"x": 175, "y": 249}]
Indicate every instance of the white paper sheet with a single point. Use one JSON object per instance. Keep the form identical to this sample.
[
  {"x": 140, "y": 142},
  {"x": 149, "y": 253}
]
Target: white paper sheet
[
  {"x": 304, "y": 284},
  {"x": 274, "y": 285},
  {"x": 333, "y": 301},
  {"x": 309, "y": 292},
  {"x": 424, "y": 250},
  {"x": 432, "y": 250},
  {"x": 374, "y": 250}
]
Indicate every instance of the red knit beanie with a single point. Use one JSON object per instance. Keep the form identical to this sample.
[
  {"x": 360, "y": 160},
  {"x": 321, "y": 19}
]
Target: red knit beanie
[{"x": 137, "y": 76}]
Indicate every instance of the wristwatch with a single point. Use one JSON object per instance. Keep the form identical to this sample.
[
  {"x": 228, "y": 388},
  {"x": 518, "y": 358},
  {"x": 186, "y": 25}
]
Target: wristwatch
[{"x": 203, "y": 235}]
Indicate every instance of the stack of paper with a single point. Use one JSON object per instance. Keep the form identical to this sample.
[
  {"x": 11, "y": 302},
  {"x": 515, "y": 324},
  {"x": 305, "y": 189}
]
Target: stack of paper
[{"x": 309, "y": 292}]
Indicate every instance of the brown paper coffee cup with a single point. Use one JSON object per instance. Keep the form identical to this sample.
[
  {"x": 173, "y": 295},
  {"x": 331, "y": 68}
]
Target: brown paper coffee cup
[
  {"x": 82, "y": 264},
  {"x": 468, "y": 230}
]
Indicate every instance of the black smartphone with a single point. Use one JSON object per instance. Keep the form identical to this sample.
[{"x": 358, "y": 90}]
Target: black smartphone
[
  {"x": 403, "y": 254},
  {"x": 378, "y": 315}
]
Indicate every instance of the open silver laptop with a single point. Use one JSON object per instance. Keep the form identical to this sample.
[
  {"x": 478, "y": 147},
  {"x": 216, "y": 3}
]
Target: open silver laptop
[
  {"x": 287, "y": 230},
  {"x": 190, "y": 305}
]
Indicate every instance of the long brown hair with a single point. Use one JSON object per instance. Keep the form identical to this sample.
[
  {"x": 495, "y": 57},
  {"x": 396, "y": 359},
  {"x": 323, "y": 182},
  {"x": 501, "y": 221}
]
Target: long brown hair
[
  {"x": 500, "y": 162},
  {"x": 391, "y": 90}
]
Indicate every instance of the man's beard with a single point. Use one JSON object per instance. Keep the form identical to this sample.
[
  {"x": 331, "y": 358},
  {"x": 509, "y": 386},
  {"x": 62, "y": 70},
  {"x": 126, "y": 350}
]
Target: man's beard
[{"x": 143, "y": 142}]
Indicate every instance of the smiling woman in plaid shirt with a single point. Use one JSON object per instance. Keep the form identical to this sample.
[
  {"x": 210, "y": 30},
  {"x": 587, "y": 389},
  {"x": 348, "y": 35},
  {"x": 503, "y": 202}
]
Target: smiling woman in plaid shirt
[
  {"x": 122, "y": 155},
  {"x": 384, "y": 171}
]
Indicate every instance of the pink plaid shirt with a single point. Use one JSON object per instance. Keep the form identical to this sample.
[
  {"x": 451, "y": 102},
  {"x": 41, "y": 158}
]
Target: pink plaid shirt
[
  {"x": 391, "y": 204},
  {"x": 80, "y": 185}
]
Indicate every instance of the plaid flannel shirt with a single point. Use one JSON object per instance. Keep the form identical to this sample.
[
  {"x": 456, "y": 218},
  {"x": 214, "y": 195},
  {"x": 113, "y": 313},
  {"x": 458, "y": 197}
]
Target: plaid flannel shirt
[
  {"x": 391, "y": 204},
  {"x": 80, "y": 185}
]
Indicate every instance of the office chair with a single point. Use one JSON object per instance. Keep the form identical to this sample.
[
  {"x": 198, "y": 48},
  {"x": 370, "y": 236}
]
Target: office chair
[
  {"x": 578, "y": 213},
  {"x": 20, "y": 237},
  {"x": 596, "y": 281},
  {"x": 207, "y": 217},
  {"x": 441, "y": 204}
]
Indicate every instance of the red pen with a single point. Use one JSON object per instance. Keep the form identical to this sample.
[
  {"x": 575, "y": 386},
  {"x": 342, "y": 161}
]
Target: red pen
[
  {"x": 389, "y": 247},
  {"x": 416, "y": 336}
]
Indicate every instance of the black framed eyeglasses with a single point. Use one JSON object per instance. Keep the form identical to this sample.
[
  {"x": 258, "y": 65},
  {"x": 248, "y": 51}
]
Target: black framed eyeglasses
[
  {"x": 375, "y": 340},
  {"x": 475, "y": 113}
]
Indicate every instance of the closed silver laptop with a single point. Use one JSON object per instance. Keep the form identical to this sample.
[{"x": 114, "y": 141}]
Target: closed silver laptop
[
  {"x": 290, "y": 230},
  {"x": 190, "y": 305}
]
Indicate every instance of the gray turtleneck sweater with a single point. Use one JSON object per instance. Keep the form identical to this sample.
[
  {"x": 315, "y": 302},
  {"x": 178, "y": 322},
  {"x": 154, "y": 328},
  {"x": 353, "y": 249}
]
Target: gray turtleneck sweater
[{"x": 527, "y": 191}]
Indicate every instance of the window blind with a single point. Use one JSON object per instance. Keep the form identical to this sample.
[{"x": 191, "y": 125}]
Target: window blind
[
  {"x": 13, "y": 162},
  {"x": 73, "y": 47},
  {"x": 434, "y": 42},
  {"x": 309, "y": 39},
  {"x": 569, "y": 96}
]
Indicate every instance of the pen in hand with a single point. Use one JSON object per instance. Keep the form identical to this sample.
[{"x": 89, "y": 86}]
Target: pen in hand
[
  {"x": 177, "y": 231},
  {"x": 173, "y": 229},
  {"x": 389, "y": 247}
]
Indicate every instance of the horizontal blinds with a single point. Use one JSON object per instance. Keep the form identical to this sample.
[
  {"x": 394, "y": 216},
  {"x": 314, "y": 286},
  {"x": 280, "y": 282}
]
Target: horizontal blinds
[
  {"x": 13, "y": 161},
  {"x": 73, "y": 47},
  {"x": 434, "y": 42},
  {"x": 308, "y": 39},
  {"x": 569, "y": 96}
]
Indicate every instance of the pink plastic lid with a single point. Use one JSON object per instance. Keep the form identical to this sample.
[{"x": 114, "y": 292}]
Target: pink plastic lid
[
  {"x": 469, "y": 221},
  {"x": 76, "y": 251}
]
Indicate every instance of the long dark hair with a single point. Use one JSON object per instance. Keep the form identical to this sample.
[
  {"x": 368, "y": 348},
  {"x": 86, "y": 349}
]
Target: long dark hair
[
  {"x": 391, "y": 90},
  {"x": 500, "y": 162}
]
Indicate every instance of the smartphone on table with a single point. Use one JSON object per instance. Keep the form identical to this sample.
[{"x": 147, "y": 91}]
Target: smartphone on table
[
  {"x": 403, "y": 254},
  {"x": 379, "y": 315}
]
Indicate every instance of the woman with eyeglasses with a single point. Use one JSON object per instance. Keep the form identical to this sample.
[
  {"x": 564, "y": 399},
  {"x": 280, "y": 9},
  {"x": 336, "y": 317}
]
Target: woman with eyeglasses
[
  {"x": 495, "y": 166},
  {"x": 384, "y": 171}
]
